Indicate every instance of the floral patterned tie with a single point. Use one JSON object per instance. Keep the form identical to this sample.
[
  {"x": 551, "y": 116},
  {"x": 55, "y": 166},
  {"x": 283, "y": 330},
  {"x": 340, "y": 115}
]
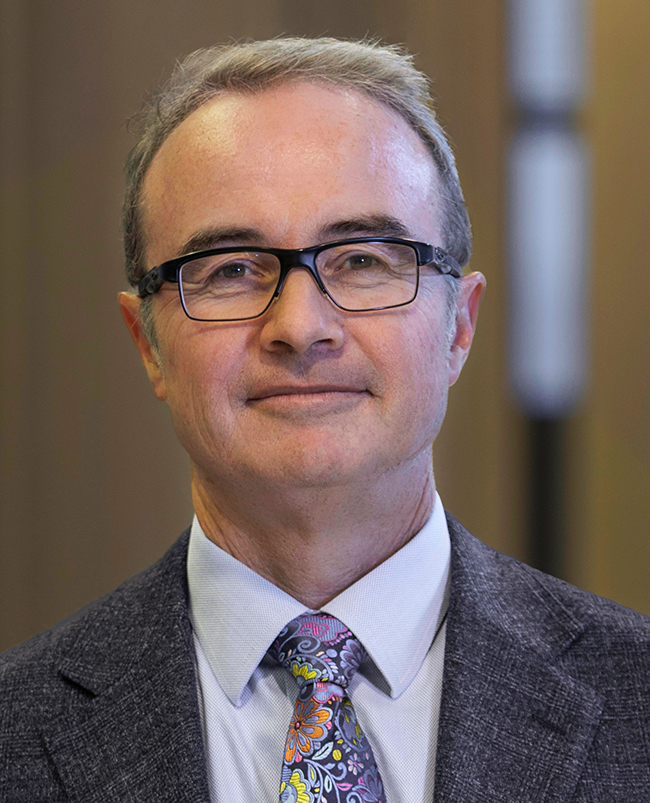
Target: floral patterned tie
[{"x": 327, "y": 757}]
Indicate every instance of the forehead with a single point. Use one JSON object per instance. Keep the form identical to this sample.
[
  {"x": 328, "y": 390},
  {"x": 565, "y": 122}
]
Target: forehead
[{"x": 287, "y": 161}]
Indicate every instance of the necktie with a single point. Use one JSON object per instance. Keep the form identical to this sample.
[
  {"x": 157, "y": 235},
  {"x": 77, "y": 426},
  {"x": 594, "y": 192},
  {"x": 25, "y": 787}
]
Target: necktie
[{"x": 327, "y": 757}]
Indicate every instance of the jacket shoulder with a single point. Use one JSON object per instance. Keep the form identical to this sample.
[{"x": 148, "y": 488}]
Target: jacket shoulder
[
  {"x": 55, "y": 683},
  {"x": 531, "y": 654},
  {"x": 28, "y": 670},
  {"x": 536, "y": 607}
]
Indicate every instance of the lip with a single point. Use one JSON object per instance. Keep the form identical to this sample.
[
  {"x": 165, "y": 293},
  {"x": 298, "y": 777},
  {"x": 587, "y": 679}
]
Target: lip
[
  {"x": 304, "y": 402},
  {"x": 280, "y": 391}
]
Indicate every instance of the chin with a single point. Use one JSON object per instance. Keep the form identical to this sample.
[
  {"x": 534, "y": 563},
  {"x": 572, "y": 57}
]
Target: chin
[{"x": 313, "y": 462}]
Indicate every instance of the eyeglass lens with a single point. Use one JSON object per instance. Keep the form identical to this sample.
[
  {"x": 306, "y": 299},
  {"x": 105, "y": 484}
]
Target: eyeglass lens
[{"x": 357, "y": 276}]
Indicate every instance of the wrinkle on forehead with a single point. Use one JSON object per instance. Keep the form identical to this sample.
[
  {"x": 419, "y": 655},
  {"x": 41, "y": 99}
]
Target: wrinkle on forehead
[{"x": 300, "y": 142}]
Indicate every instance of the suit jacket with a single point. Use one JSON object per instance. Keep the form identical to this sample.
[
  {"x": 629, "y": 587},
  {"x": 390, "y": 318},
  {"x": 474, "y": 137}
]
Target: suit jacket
[{"x": 546, "y": 694}]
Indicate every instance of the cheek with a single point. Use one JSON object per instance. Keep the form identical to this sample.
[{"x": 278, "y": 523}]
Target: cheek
[
  {"x": 419, "y": 375},
  {"x": 198, "y": 379},
  {"x": 429, "y": 373},
  {"x": 422, "y": 356}
]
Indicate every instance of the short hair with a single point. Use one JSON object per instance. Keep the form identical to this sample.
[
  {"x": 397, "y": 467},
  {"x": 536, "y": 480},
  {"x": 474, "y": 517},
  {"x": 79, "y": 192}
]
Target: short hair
[{"x": 384, "y": 73}]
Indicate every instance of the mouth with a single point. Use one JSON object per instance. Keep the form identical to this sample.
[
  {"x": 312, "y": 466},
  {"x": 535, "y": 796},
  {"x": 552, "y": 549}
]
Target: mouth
[
  {"x": 308, "y": 398},
  {"x": 303, "y": 390}
]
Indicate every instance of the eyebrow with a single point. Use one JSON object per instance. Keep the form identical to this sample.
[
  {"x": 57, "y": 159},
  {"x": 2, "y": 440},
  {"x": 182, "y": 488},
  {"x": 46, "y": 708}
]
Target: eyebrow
[
  {"x": 364, "y": 225},
  {"x": 225, "y": 235}
]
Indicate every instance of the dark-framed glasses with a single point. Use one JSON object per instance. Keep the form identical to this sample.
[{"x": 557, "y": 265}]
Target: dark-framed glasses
[{"x": 363, "y": 274}]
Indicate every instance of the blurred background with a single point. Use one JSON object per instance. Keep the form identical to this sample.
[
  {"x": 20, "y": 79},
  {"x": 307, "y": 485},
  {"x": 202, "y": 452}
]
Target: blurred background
[{"x": 94, "y": 486}]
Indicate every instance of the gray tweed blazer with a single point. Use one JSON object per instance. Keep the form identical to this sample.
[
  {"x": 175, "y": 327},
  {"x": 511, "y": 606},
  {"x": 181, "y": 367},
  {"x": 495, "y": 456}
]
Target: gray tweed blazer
[{"x": 546, "y": 694}]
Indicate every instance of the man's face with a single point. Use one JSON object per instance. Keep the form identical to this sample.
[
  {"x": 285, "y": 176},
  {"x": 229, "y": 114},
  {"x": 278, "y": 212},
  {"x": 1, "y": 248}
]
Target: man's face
[{"x": 306, "y": 394}]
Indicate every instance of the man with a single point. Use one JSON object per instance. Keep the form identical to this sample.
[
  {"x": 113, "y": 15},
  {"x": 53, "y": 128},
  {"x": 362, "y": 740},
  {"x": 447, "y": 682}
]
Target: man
[{"x": 294, "y": 228}]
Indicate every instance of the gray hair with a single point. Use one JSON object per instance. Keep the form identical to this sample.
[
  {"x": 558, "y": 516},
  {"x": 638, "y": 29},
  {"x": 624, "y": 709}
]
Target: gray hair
[{"x": 384, "y": 73}]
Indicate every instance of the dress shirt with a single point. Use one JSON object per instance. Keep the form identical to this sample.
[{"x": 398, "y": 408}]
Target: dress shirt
[{"x": 397, "y": 611}]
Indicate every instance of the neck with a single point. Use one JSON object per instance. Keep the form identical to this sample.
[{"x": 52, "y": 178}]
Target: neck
[{"x": 314, "y": 543}]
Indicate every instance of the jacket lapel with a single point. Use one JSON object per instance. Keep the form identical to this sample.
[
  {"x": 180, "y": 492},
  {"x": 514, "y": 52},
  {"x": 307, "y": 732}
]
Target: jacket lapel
[
  {"x": 130, "y": 727},
  {"x": 513, "y": 724}
]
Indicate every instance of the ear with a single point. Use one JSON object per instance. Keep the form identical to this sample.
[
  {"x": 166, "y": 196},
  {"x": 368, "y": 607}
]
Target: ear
[
  {"x": 469, "y": 299},
  {"x": 130, "y": 307}
]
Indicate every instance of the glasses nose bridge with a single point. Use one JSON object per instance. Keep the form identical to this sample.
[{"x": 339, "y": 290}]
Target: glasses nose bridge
[{"x": 298, "y": 258}]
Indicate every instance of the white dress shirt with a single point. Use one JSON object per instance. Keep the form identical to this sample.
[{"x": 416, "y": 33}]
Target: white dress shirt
[{"x": 397, "y": 611}]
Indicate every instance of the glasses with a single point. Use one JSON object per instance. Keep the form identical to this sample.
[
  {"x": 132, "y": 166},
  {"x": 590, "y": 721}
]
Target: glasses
[{"x": 357, "y": 275}]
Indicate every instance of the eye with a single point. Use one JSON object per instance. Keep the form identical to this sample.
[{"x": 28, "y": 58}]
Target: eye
[
  {"x": 362, "y": 261},
  {"x": 358, "y": 261},
  {"x": 232, "y": 270}
]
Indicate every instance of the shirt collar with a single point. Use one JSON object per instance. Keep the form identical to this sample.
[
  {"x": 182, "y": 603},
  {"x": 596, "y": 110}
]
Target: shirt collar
[{"x": 395, "y": 610}]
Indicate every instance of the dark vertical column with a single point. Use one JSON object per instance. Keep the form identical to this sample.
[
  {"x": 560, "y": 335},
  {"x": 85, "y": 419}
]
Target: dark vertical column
[
  {"x": 548, "y": 252},
  {"x": 547, "y": 494}
]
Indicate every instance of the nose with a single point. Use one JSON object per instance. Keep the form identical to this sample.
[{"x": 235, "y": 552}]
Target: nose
[{"x": 302, "y": 318}]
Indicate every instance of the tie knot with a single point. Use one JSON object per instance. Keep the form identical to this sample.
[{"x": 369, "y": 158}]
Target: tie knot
[{"x": 318, "y": 648}]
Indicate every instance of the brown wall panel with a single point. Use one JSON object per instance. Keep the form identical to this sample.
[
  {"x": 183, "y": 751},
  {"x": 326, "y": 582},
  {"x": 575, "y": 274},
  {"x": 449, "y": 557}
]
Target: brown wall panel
[
  {"x": 612, "y": 556},
  {"x": 94, "y": 485}
]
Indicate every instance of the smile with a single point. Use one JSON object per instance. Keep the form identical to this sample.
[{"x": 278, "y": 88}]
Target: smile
[
  {"x": 303, "y": 390},
  {"x": 313, "y": 399}
]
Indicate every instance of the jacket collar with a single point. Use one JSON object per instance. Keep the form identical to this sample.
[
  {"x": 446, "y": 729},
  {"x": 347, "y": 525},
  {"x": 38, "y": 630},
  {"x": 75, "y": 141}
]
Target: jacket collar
[
  {"x": 513, "y": 725},
  {"x": 129, "y": 728}
]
